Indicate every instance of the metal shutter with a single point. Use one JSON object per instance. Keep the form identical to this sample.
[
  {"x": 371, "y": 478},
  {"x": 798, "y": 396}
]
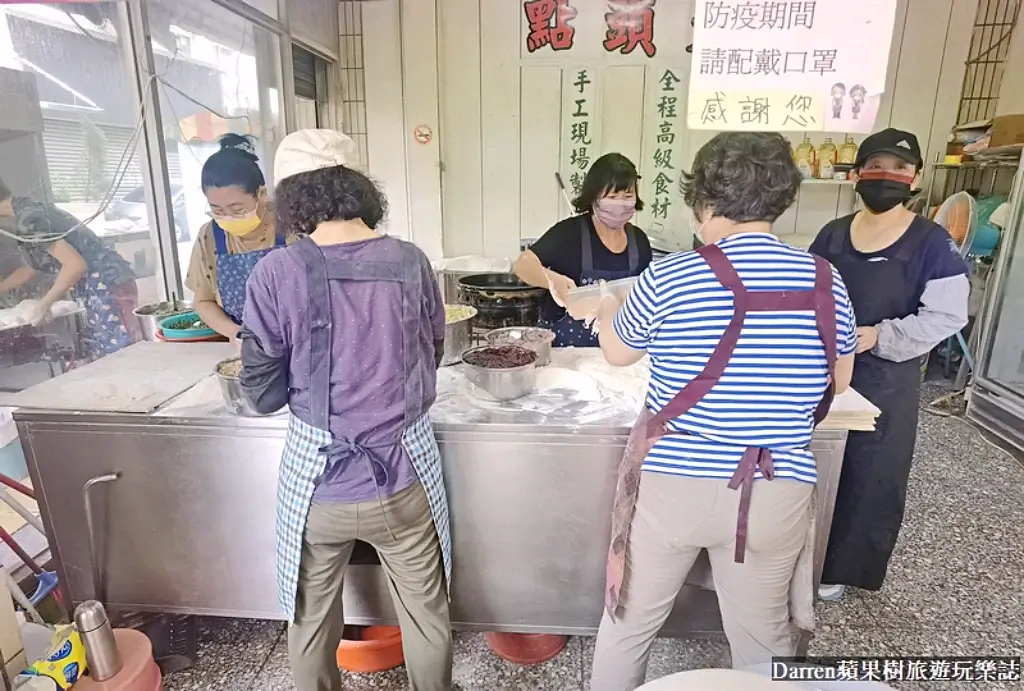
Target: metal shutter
[{"x": 304, "y": 69}]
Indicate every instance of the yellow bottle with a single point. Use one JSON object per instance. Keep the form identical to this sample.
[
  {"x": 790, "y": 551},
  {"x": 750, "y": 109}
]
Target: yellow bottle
[
  {"x": 848, "y": 151},
  {"x": 804, "y": 157},
  {"x": 827, "y": 156}
]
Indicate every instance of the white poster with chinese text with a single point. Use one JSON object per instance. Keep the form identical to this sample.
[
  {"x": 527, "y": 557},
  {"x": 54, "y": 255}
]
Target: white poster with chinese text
[{"x": 772, "y": 65}]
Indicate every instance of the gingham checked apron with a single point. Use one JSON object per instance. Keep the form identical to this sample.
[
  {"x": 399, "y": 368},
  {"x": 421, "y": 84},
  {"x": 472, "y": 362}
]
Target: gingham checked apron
[
  {"x": 649, "y": 427},
  {"x": 309, "y": 443}
]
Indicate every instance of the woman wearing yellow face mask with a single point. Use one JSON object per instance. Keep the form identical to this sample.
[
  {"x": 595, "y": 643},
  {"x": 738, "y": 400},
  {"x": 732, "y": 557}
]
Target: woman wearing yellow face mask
[{"x": 240, "y": 233}]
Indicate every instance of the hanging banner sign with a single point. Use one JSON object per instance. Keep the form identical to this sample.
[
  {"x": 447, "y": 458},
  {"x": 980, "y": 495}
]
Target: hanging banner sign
[
  {"x": 814, "y": 65},
  {"x": 608, "y": 31}
]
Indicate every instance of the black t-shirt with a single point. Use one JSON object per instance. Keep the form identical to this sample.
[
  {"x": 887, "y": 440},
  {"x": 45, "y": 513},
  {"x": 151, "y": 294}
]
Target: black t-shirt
[{"x": 560, "y": 250}]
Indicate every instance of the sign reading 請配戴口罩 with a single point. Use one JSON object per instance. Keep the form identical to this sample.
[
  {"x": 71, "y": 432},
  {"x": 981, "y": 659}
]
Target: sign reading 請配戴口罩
[{"x": 774, "y": 65}]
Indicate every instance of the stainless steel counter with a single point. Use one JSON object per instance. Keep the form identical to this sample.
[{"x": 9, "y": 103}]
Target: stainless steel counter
[{"x": 188, "y": 526}]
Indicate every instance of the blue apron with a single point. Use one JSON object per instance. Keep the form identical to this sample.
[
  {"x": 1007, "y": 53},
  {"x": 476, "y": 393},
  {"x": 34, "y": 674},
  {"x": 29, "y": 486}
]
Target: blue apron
[
  {"x": 310, "y": 447},
  {"x": 106, "y": 331},
  {"x": 233, "y": 271},
  {"x": 573, "y": 332}
]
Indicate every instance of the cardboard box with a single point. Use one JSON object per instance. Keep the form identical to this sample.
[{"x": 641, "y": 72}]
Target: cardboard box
[{"x": 1007, "y": 130}]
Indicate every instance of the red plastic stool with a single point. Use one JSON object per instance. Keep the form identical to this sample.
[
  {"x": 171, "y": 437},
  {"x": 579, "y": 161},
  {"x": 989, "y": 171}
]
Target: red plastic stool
[
  {"x": 525, "y": 648},
  {"x": 139, "y": 671}
]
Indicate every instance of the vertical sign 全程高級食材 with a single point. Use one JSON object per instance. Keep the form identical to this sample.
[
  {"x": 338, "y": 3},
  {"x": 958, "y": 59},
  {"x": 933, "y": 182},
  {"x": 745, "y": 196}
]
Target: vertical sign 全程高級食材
[
  {"x": 662, "y": 164},
  {"x": 813, "y": 65},
  {"x": 580, "y": 140}
]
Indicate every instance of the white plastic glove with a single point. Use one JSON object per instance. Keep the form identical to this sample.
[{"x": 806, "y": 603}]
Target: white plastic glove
[
  {"x": 38, "y": 313},
  {"x": 559, "y": 286},
  {"x": 591, "y": 321}
]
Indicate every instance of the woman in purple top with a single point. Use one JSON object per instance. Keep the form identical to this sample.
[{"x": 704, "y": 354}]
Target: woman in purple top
[{"x": 346, "y": 327}]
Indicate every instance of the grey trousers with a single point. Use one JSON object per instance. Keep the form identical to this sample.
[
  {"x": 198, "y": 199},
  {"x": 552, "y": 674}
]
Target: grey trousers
[
  {"x": 675, "y": 518},
  {"x": 412, "y": 562}
]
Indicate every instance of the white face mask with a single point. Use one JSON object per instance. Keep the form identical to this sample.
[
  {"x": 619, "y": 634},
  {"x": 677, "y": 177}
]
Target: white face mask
[{"x": 697, "y": 230}]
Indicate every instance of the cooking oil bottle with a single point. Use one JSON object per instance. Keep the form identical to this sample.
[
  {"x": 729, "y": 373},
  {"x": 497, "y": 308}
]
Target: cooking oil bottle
[
  {"x": 827, "y": 160},
  {"x": 848, "y": 151},
  {"x": 804, "y": 157}
]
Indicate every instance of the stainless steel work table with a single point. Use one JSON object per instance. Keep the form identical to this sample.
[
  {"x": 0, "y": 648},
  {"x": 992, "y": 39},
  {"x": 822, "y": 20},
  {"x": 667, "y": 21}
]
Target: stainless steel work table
[{"x": 188, "y": 527}]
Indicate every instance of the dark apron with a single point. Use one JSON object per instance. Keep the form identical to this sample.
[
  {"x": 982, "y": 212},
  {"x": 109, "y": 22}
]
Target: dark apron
[
  {"x": 650, "y": 427},
  {"x": 573, "y": 332},
  {"x": 876, "y": 468},
  {"x": 321, "y": 273},
  {"x": 233, "y": 272}
]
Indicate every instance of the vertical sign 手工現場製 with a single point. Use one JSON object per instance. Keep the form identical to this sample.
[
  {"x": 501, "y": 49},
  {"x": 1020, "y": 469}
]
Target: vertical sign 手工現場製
[
  {"x": 813, "y": 65},
  {"x": 581, "y": 141},
  {"x": 664, "y": 129}
]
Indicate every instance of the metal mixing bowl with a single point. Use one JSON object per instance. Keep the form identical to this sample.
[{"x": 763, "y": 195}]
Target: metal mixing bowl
[
  {"x": 458, "y": 336},
  {"x": 231, "y": 390},
  {"x": 533, "y": 337},
  {"x": 151, "y": 315},
  {"x": 502, "y": 384}
]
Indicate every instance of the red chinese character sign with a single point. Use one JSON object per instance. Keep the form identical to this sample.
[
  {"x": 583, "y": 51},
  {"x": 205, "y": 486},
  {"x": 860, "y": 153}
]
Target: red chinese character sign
[
  {"x": 630, "y": 26},
  {"x": 550, "y": 24},
  {"x": 808, "y": 65},
  {"x": 605, "y": 32}
]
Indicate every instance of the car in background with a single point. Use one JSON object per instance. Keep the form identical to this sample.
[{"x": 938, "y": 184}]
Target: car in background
[{"x": 132, "y": 207}]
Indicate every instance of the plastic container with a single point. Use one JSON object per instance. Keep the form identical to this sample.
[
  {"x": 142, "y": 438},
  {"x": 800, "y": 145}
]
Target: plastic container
[
  {"x": 180, "y": 326},
  {"x": 525, "y": 648},
  {"x": 139, "y": 671},
  {"x": 365, "y": 650},
  {"x": 583, "y": 301}
]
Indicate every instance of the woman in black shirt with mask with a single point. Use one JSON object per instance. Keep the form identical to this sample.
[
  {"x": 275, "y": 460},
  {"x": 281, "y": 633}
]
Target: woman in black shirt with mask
[
  {"x": 909, "y": 288},
  {"x": 599, "y": 243}
]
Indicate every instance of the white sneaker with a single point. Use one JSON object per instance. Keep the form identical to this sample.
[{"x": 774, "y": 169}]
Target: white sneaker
[{"x": 831, "y": 593}]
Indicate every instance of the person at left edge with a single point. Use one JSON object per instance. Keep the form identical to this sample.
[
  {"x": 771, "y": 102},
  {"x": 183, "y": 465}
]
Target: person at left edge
[
  {"x": 597, "y": 244},
  {"x": 346, "y": 326},
  {"x": 241, "y": 231},
  {"x": 53, "y": 241}
]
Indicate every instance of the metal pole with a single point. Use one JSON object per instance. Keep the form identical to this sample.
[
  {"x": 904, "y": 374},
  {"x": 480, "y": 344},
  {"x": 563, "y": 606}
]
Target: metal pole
[{"x": 134, "y": 22}]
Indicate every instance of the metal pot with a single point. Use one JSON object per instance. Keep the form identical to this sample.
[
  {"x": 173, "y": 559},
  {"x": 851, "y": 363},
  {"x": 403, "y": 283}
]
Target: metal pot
[
  {"x": 458, "y": 336},
  {"x": 151, "y": 315},
  {"x": 501, "y": 300},
  {"x": 502, "y": 384},
  {"x": 231, "y": 390},
  {"x": 536, "y": 339}
]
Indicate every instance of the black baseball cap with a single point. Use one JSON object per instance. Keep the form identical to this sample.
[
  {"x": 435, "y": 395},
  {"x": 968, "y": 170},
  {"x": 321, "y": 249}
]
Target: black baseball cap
[{"x": 890, "y": 141}]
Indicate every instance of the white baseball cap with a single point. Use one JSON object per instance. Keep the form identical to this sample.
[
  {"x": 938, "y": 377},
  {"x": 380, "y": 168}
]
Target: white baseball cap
[{"x": 306, "y": 150}]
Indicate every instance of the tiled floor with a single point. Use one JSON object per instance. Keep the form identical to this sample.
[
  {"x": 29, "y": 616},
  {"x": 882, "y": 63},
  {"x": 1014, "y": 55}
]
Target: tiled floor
[{"x": 954, "y": 588}]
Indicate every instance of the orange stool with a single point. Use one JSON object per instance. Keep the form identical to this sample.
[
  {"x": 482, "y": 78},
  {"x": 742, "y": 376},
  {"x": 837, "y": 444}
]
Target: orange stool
[{"x": 139, "y": 671}]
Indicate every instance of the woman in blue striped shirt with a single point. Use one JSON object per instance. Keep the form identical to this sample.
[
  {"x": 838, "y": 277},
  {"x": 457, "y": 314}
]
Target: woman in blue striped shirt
[{"x": 743, "y": 337}]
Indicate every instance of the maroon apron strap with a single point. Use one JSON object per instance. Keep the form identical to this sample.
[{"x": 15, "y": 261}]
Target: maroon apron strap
[
  {"x": 743, "y": 478},
  {"x": 699, "y": 386},
  {"x": 825, "y": 316}
]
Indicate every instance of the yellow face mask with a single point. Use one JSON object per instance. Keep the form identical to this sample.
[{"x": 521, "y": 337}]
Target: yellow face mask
[{"x": 239, "y": 226}]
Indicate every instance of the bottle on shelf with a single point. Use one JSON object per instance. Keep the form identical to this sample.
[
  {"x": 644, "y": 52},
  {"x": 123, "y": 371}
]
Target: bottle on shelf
[
  {"x": 827, "y": 156},
  {"x": 848, "y": 151},
  {"x": 805, "y": 158}
]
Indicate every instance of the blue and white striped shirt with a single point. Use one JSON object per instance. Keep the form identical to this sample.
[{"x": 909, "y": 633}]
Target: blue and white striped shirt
[{"x": 678, "y": 312}]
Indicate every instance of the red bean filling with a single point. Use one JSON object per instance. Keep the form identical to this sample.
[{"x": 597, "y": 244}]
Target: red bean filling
[{"x": 500, "y": 357}]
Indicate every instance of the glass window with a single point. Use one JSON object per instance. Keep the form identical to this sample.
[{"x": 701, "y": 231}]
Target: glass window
[
  {"x": 224, "y": 77},
  {"x": 1006, "y": 350},
  {"x": 68, "y": 137}
]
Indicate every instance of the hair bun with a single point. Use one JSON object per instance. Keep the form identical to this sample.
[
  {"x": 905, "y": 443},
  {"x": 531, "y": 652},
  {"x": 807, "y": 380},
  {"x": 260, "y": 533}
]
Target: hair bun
[{"x": 239, "y": 142}]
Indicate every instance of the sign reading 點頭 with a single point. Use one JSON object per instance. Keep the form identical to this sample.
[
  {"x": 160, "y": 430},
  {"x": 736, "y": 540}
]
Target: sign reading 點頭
[{"x": 770, "y": 65}]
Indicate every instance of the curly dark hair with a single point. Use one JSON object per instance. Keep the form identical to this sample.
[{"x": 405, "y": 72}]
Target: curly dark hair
[
  {"x": 743, "y": 176},
  {"x": 305, "y": 200}
]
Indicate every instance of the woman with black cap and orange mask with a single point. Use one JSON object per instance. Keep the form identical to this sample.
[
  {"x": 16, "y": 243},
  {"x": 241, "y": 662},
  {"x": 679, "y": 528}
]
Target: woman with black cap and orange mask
[{"x": 909, "y": 288}]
